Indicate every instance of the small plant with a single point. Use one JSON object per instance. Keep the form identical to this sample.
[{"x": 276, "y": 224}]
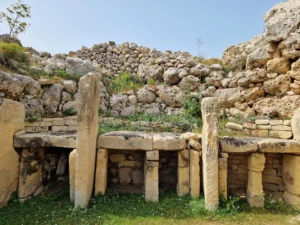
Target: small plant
[
  {"x": 151, "y": 81},
  {"x": 34, "y": 118},
  {"x": 192, "y": 106},
  {"x": 9, "y": 51},
  {"x": 212, "y": 61},
  {"x": 70, "y": 112},
  {"x": 16, "y": 17}
]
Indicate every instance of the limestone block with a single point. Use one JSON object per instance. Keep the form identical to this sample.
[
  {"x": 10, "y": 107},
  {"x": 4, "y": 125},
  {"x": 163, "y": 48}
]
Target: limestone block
[
  {"x": 137, "y": 177},
  {"x": 223, "y": 177},
  {"x": 291, "y": 199},
  {"x": 259, "y": 133},
  {"x": 89, "y": 100},
  {"x": 12, "y": 116},
  {"x": 255, "y": 195},
  {"x": 272, "y": 179},
  {"x": 59, "y": 128},
  {"x": 188, "y": 136},
  {"x": 125, "y": 175},
  {"x": 195, "y": 173},
  {"x": 58, "y": 122},
  {"x": 195, "y": 145},
  {"x": 250, "y": 126},
  {"x": 234, "y": 126},
  {"x": 116, "y": 157},
  {"x": 36, "y": 129},
  {"x": 295, "y": 122},
  {"x": 183, "y": 158},
  {"x": 256, "y": 162},
  {"x": 210, "y": 152},
  {"x": 281, "y": 134},
  {"x": 264, "y": 127},
  {"x": 129, "y": 140},
  {"x": 72, "y": 128},
  {"x": 101, "y": 171},
  {"x": 279, "y": 146},
  {"x": 59, "y": 140},
  {"x": 168, "y": 142},
  {"x": 276, "y": 122},
  {"x": 72, "y": 171},
  {"x": 151, "y": 180},
  {"x": 238, "y": 145},
  {"x": 290, "y": 173},
  {"x": 262, "y": 122},
  {"x": 282, "y": 128},
  {"x": 152, "y": 155},
  {"x": 183, "y": 181},
  {"x": 31, "y": 174}
]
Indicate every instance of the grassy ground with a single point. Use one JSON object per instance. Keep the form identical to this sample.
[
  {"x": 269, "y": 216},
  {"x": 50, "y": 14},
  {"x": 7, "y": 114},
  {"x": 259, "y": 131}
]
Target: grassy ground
[{"x": 132, "y": 209}]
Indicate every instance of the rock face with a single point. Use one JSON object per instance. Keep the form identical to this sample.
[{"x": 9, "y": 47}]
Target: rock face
[
  {"x": 210, "y": 152},
  {"x": 282, "y": 20},
  {"x": 12, "y": 116},
  {"x": 89, "y": 99}
]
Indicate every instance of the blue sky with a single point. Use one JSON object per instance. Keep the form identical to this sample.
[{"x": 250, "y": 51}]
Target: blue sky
[{"x": 58, "y": 26}]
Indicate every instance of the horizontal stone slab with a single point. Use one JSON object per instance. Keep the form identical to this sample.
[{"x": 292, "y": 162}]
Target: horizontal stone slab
[
  {"x": 36, "y": 140},
  {"x": 126, "y": 140},
  {"x": 168, "y": 142},
  {"x": 238, "y": 144},
  {"x": 279, "y": 146}
]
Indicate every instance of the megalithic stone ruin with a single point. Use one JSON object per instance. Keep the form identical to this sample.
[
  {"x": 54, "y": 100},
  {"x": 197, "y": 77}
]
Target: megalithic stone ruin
[
  {"x": 89, "y": 100},
  {"x": 210, "y": 152}
]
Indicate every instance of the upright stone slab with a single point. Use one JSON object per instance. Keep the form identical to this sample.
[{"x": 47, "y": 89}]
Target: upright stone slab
[
  {"x": 12, "y": 116},
  {"x": 72, "y": 172},
  {"x": 223, "y": 177},
  {"x": 89, "y": 99},
  {"x": 195, "y": 173},
  {"x": 295, "y": 122},
  {"x": 291, "y": 179},
  {"x": 151, "y": 179},
  {"x": 101, "y": 171},
  {"x": 183, "y": 172},
  {"x": 210, "y": 152},
  {"x": 255, "y": 193},
  {"x": 31, "y": 172}
]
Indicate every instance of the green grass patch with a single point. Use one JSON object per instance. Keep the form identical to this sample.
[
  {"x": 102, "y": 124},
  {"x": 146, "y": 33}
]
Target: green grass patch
[
  {"x": 11, "y": 51},
  {"x": 115, "y": 208}
]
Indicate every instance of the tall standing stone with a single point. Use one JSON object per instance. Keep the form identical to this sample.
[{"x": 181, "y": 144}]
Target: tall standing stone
[
  {"x": 223, "y": 177},
  {"x": 72, "y": 172},
  {"x": 210, "y": 152},
  {"x": 195, "y": 173},
  {"x": 183, "y": 172},
  {"x": 295, "y": 122},
  {"x": 255, "y": 193},
  {"x": 12, "y": 116},
  {"x": 101, "y": 171},
  {"x": 89, "y": 100},
  {"x": 151, "y": 176}
]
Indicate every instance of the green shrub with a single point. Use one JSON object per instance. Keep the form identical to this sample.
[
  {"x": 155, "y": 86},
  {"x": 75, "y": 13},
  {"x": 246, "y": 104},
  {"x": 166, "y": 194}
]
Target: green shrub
[
  {"x": 151, "y": 81},
  {"x": 33, "y": 118},
  {"x": 69, "y": 112},
  {"x": 212, "y": 61},
  {"x": 192, "y": 106},
  {"x": 11, "y": 51}
]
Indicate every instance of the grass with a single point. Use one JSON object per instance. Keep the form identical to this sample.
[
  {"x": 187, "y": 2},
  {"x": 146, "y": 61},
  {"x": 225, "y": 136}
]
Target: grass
[
  {"x": 180, "y": 123},
  {"x": 11, "y": 51},
  {"x": 114, "y": 208},
  {"x": 70, "y": 112}
]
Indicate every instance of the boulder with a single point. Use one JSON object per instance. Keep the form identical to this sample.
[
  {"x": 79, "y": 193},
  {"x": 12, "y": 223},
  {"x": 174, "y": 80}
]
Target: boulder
[
  {"x": 258, "y": 58},
  {"x": 295, "y": 72},
  {"x": 51, "y": 98},
  {"x": 70, "y": 86},
  {"x": 295, "y": 122},
  {"x": 289, "y": 48},
  {"x": 151, "y": 72},
  {"x": 282, "y": 20},
  {"x": 253, "y": 93},
  {"x": 279, "y": 65},
  {"x": 145, "y": 96},
  {"x": 78, "y": 66},
  {"x": 12, "y": 116},
  {"x": 228, "y": 97},
  {"x": 118, "y": 101},
  {"x": 171, "y": 76},
  {"x": 278, "y": 86},
  {"x": 189, "y": 82},
  {"x": 172, "y": 96}
]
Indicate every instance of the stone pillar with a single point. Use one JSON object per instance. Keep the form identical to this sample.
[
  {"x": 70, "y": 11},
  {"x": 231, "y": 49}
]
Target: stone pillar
[
  {"x": 255, "y": 194},
  {"x": 151, "y": 176},
  {"x": 31, "y": 172},
  {"x": 195, "y": 173},
  {"x": 223, "y": 176},
  {"x": 291, "y": 179},
  {"x": 12, "y": 116},
  {"x": 89, "y": 99},
  {"x": 210, "y": 152},
  {"x": 295, "y": 122},
  {"x": 101, "y": 171},
  {"x": 72, "y": 171},
  {"x": 183, "y": 172}
]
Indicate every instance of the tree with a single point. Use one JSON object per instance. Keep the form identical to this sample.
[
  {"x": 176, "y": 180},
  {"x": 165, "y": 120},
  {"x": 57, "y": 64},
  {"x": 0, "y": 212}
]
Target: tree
[{"x": 16, "y": 17}]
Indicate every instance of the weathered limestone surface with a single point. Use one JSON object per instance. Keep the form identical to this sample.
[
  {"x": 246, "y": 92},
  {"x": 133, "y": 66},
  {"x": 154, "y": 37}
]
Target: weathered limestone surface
[
  {"x": 89, "y": 100},
  {"x": 183, "y": 172},
  {"x": 210, "y": 152},
  {"x": 151, "y": 180},
  {"x": 129, "y": 140},
  {"x": 31, "y": 172},
  {"x": 223, "y": 177},
  {"x": 255, "y": 194},
  {"x": 238, "y": 145},
  {"x": 296, "y": 125},
  {"x": 290, "y": 173},
  {"x": 279, "y": 146},
  {"x": 12, "y": 116},
  {"x": 168, "y": 141},
  {"x": 101, "y": 171},
  {"x": 38, "y": 140},
  {"x": 291, "y": 199},
  {"x": 72, "y": 172},
  {"x": 195, "y": 173}
]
